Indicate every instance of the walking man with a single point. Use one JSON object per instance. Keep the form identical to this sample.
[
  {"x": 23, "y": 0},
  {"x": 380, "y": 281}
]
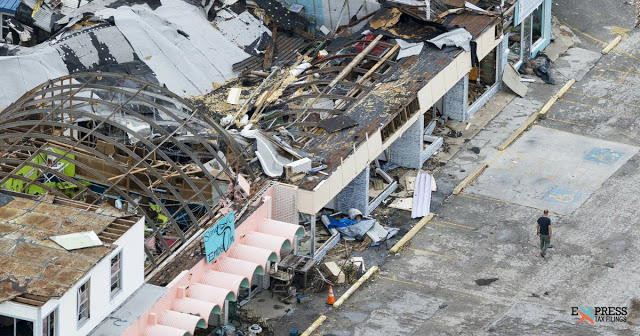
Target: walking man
[{"x": 544, "y": 231}]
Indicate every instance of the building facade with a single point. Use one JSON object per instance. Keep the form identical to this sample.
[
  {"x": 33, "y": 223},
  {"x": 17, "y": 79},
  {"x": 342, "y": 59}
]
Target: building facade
[{"x": 97, "y": 292}]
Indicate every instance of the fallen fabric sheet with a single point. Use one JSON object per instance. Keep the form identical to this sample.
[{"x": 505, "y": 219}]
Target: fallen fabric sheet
[
  {"x": 422, "y": 195},
  {"x": 177, "y": 42},
  {"x": 460, "y": 38},
  {"x": 408, "y": 49},
  {"x": 22, "y": 73},
  {"x": 357, "y": 230}
]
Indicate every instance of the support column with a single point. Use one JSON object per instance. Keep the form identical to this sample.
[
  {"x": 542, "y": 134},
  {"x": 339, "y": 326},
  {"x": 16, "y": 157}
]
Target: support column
[
  {"x": 456, "y": 100},
  {"x": 313, "y": 236},
  {"x": 355, "y": 194},
  {"x": 406, "y": 150}
]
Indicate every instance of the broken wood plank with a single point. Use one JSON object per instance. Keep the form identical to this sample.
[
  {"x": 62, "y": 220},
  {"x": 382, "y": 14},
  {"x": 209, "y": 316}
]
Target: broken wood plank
[{"x": 271, "y": 46}]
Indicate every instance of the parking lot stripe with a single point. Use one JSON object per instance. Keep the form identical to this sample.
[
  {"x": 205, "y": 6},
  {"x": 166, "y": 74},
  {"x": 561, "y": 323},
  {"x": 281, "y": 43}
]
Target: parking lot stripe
[
  {"x": 433, "y": 253},
  {"x": 454, "y": 224},
  {"x": 422, "y": 286}
]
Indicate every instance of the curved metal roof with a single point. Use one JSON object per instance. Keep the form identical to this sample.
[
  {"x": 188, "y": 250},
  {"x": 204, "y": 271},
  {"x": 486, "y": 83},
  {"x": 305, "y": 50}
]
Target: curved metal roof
[{"x": 98, "y": 136}]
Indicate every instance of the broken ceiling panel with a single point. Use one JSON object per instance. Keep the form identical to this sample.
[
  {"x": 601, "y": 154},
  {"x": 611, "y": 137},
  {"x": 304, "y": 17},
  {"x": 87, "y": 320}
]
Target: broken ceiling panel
[
  {"x": 94, "y": 47},
  {"x": 337, "y": 123},
  {"x": 242, "y": 30},
  {"x": 22, "y": 72},
  {"x": 74, "y": 241},
  {"x": 393, "y": 23},
  {"x": 282, "y": 15},
  {"x": 177, "y": 42}
]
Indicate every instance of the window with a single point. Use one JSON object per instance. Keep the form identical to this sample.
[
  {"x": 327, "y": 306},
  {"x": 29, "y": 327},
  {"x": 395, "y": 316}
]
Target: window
[
  {"x": 10, "y": 326},
  {"x": 4, "y": 27},
  {"x": 537, "y": 24},
  {"x": 116, "y": 274},
  {"x": 49, "y": 325},
  {"x": 83, "y": 302}
]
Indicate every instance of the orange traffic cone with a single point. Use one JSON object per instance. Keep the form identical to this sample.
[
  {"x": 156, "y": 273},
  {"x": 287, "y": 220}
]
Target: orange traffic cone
[{"x": 331, "y": 300}]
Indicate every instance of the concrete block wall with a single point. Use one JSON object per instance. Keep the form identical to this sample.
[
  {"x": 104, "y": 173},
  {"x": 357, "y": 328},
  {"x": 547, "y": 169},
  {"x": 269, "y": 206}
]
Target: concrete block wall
[
  {"x": 355, "y": 194},
  {"x": 406, "y": 150},
  {"x": 456, "y": 100}
]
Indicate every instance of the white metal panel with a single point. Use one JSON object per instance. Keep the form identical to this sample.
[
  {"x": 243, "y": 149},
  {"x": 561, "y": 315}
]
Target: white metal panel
[
  {"x": 425, "y": 98},
  {"x": 349, "y": 171},
  {"x": 374, "y": 145},
  {"x": 306, "y": 201},
  {"x": 437, "y": 86},
  {"x": 463, "y": 64},
  {"x": 362, "y": 155},
  {"x": 335, "y": 181}
]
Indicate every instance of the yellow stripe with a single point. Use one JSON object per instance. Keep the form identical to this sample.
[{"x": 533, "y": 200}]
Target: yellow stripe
[
  {"x": 569, "y": 122},
  {"x": 591, "y": 106},
  {"x": 602, "y": 42},
  {"x": 607, "y": 99},
  {"x": 460, "y": 225},
  {"x": 433, "y": 253},
  {"x": 400, "y": 281},
  {"x": 482, "y": 198},
  {"x": 422, "y": 286}
]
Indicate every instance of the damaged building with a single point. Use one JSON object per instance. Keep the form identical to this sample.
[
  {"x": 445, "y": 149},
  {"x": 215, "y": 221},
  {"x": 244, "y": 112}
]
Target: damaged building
[{"x": 259, "y": 114}]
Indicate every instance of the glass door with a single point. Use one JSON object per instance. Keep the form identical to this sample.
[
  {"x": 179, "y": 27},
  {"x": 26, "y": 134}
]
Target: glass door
[{"x": 526, "y": 38}]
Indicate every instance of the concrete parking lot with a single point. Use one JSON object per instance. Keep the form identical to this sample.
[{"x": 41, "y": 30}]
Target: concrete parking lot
[{"x": 475, "y": 269}]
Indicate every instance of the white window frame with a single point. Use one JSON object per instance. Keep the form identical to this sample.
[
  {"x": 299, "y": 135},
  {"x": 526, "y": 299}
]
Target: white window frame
[
  {"x": 81, "y": 299},
  {"x": 543, "y": 28},
  {"x": 3, "y": 24},
  {"x": 15, "y": 322},
  {"x": 116, "y": 274}
]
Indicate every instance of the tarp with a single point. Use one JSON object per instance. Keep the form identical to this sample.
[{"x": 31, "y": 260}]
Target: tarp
[
  {"x": 350, "y": 227},
  {"x": 22, "y": 73},
  {"x": 460, "y": 38}
]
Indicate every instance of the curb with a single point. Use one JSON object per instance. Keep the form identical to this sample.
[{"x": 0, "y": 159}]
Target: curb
[
  {"x": 355, "y": 286},
  {"x": 535, "y": 116},
  {"x": 470, "y": 178},
  {"x": 612, "y": 45},
  {"x": 410, "y": 234},
  {"x": 314, "y": 326}
]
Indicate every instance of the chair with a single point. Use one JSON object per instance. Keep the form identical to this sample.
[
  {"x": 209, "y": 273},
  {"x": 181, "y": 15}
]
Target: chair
[{"x": 281, "y": 280}]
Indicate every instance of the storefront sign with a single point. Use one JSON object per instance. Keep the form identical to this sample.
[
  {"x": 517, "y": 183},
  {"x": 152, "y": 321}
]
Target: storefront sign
[
  {"x": 525, "y": 8},
  {"x": 218, "y": 239}
]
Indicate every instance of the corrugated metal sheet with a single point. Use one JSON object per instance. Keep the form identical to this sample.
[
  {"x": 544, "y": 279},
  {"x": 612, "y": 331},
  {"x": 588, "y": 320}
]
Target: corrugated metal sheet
[
  {"x": 178, "y": 43},
  {"x": 422, "y": 195},
  {"x": 9, "y": 6}
]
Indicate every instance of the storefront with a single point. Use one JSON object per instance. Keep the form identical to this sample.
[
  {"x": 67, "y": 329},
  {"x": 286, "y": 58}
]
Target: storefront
[{"x": 531, "y": 30}]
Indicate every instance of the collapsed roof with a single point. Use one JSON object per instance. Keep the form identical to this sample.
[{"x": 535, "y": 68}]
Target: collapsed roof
[
  {"x": 107, "y": 137},
  {"x": 35, "y": 268}
]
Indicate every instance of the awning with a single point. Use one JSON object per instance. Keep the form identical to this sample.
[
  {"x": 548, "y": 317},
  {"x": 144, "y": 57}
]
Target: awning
[{"x": 203, "y": 290}]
